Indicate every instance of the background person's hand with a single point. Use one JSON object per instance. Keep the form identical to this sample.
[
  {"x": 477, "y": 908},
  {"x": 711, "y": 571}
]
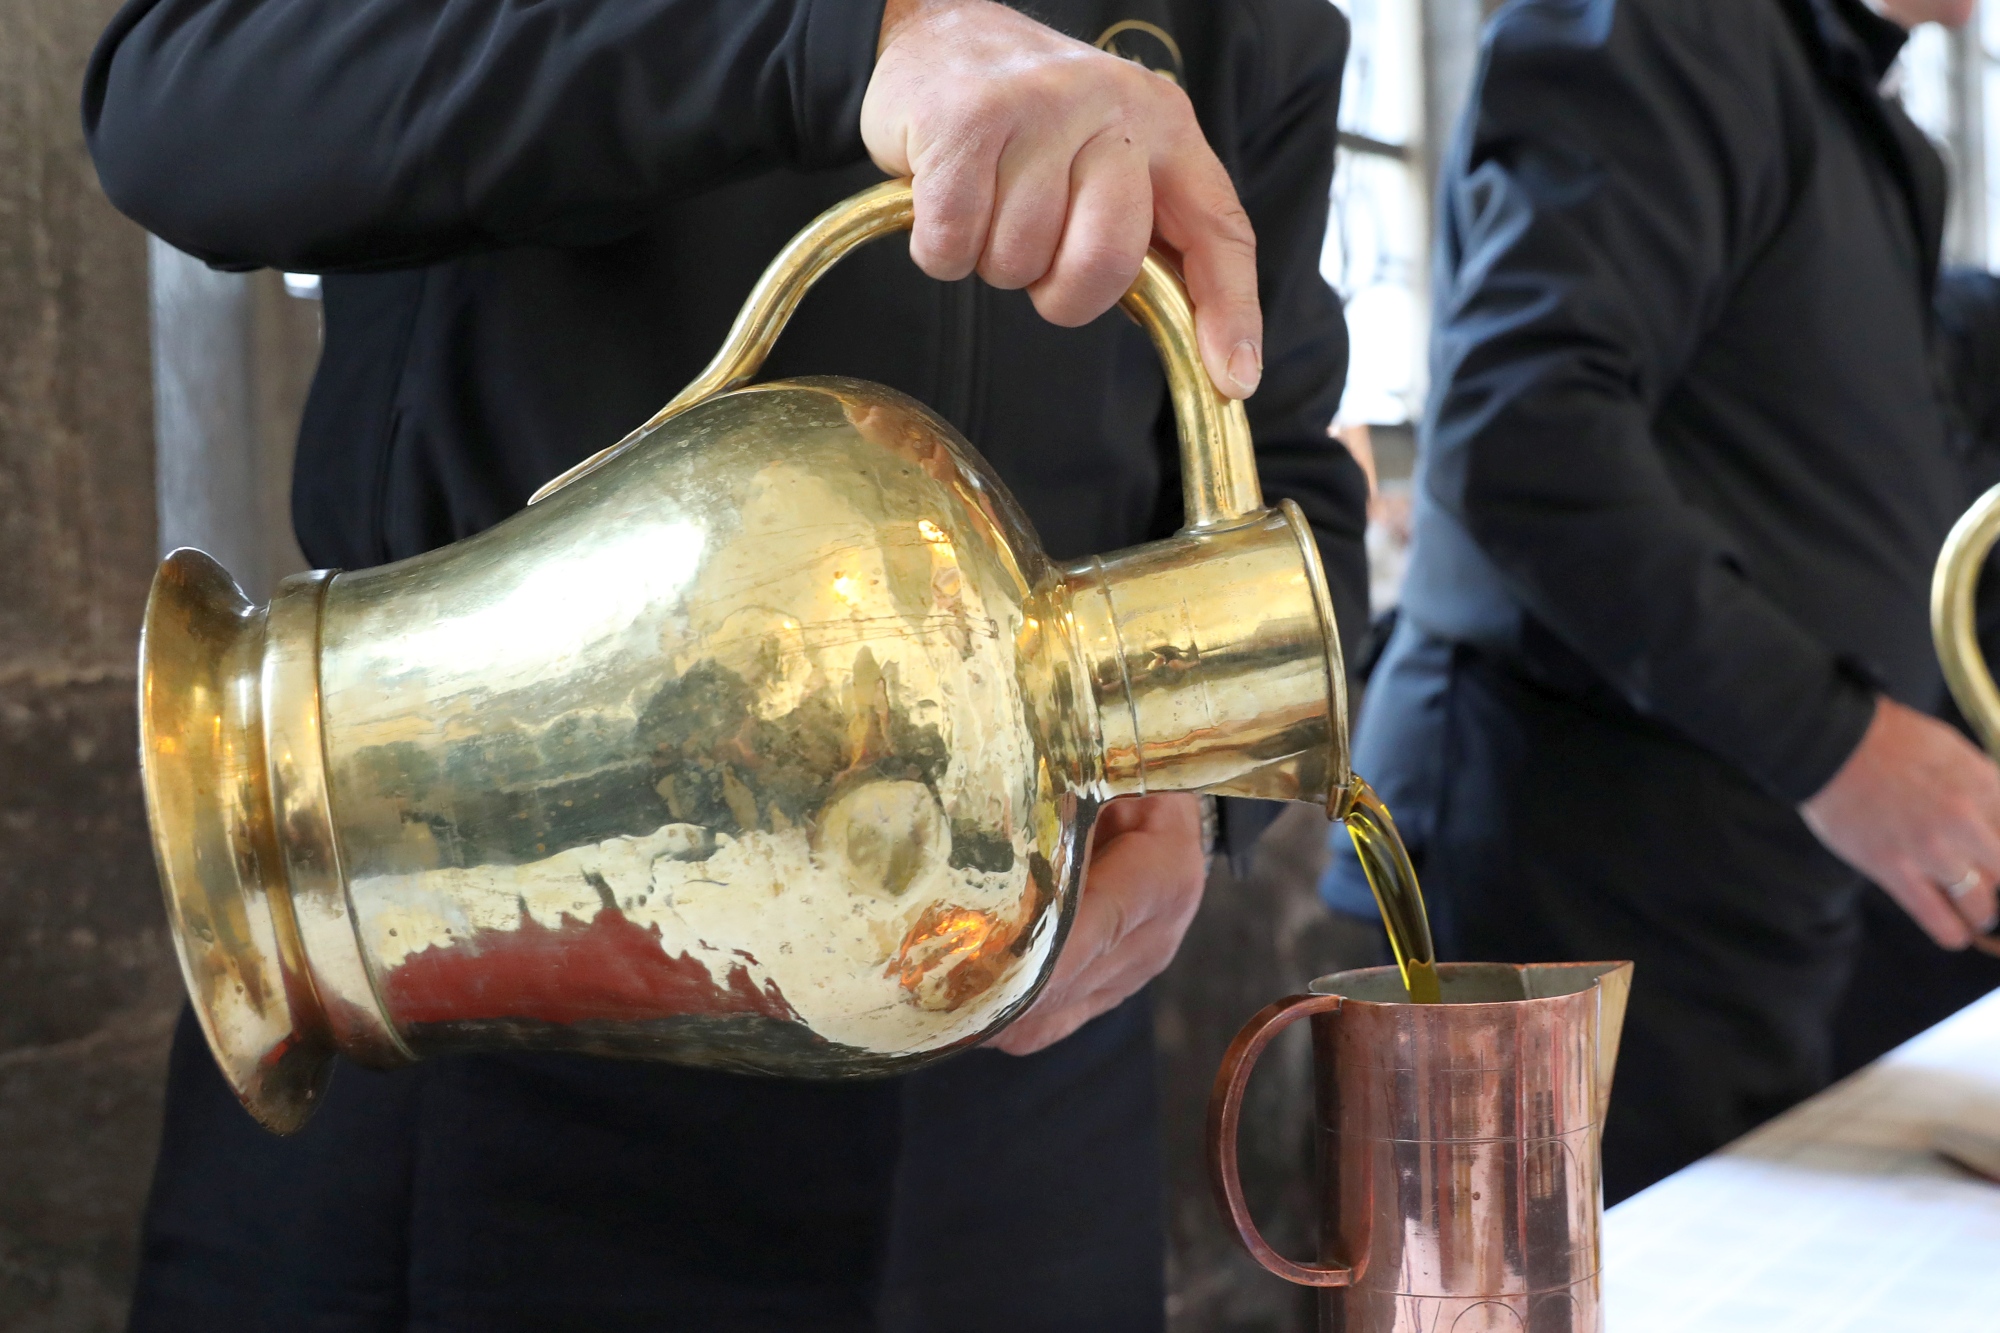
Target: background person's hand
[
  {"x": 1916, "y": 808},
  {"x": 1044, "y": 163},
  {"x": 1140, "y": 892}
]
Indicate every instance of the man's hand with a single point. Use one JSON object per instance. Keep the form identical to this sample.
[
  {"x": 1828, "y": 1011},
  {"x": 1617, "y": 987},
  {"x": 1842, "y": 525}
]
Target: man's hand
[
  {"x": 1916, "y": 808},
  {"x": 1140, "y": 890},
  {"x": 1044, "y": 163}
]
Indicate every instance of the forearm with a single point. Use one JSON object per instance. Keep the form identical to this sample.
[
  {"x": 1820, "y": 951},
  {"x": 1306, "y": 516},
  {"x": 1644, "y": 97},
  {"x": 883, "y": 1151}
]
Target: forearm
[{"x": 323, "y": 135}]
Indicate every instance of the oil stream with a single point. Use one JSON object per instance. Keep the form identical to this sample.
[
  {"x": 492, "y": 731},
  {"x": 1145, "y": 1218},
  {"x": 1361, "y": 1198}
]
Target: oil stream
[{"x": 1393, "y": 881}]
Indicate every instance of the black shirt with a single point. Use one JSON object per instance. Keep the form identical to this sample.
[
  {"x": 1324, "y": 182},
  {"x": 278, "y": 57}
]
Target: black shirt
[{"x": 1684, "y": 453}]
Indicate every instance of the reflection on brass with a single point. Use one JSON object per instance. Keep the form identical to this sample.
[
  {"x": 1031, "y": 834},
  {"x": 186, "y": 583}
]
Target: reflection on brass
[
  {"x": 768, "y": 739},
  {"x": 1955, "y": 630},
  {"x": 1458, "y": 1142}
]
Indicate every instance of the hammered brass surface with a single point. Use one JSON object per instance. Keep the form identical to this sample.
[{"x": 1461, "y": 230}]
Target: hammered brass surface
[
  {"x": 1955, "y": 630},
  {"x": 754, "y": 707},
  {"x": 295, "y": 766},
  {"x": 767, "y": 739}
]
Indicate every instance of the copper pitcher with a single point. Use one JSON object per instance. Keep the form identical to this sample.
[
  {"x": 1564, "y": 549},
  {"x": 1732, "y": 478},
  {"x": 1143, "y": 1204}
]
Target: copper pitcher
[
  {"x": 767, "y": 739},
  {"x": 1458, "y": 1146}
]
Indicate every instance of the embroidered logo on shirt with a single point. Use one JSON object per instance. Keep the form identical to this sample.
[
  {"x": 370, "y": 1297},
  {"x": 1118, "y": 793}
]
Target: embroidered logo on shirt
[{"x": 1145, "y": 44}]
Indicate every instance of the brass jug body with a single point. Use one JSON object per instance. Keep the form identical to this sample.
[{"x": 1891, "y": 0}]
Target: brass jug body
[
  {"x": 768, "y": 739},
  {"x": 1459, "y": 1166},
  {"x": 1955, "y": 630}
]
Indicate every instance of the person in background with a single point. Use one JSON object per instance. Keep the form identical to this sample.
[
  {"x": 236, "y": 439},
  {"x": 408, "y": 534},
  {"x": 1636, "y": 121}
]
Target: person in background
[
  {"x": 536, "y": 222},
  {"x": 1901, "y": 984},
  {"x": 1662, "y": 684}
]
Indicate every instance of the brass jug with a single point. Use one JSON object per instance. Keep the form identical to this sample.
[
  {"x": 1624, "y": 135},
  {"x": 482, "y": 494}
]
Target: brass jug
[
  {"x": 767, "y": 739},
  {"x": 1955, "y": 630}
]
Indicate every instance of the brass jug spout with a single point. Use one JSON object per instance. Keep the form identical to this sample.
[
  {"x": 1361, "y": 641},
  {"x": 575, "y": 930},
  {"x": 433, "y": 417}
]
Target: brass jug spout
[
  {"x": 1199, "y": 688},
  {"x": 767, "y": 739}
]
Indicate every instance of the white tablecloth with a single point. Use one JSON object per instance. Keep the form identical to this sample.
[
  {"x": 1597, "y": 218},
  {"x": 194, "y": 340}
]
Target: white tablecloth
[{"x": 1835, "y": 1216}]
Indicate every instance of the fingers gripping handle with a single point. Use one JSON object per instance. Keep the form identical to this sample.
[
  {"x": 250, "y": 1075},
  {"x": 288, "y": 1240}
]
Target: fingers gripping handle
[
  {"x": 1218, "y": 468},
  {"x": 1225, "y": 1114}
]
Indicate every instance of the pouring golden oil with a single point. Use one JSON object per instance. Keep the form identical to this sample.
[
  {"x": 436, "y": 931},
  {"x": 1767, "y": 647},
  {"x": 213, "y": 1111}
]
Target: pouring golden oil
[{"x": 1393, "y": 881}]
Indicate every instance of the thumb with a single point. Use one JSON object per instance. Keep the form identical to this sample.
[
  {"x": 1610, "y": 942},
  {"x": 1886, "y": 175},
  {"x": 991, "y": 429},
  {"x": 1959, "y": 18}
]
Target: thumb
[{"x": 1196, "y": 211}]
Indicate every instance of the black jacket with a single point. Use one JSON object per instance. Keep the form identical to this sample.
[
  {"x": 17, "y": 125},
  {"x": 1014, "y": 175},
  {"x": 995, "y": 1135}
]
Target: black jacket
[
  {"x": 1685, "y": 455},
  {"x": 537, "y": 221}
]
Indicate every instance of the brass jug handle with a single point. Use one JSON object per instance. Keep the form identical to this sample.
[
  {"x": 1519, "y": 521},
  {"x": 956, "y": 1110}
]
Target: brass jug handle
[
  {"x": 1218, "y": 468},
  {"x": 1225, "y": 1115},
  {"x": 1954, "y": 623}
]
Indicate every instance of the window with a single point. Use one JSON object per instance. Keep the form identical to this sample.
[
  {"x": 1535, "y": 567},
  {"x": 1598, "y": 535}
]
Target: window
[
  {"x": 1377, "y": 242},
  {"x": 1949, "y": 82},
  {"x": 1984, "y": 47}
]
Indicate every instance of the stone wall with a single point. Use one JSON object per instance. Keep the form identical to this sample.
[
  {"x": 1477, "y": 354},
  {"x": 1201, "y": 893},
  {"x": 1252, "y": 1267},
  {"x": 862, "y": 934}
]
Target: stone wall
[{"x": 87, "y": 987}]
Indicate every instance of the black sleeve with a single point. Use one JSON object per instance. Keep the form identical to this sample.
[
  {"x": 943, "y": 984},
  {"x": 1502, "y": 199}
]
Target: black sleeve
[
  {"x": 1283, "y": 167},
  {"x": 321, "y": 135},
  {"x": 1618, "y": 165}
]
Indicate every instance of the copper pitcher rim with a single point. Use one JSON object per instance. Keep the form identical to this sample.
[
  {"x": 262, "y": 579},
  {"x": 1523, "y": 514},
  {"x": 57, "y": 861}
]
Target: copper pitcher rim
[{"x": 1585, "y": 975}]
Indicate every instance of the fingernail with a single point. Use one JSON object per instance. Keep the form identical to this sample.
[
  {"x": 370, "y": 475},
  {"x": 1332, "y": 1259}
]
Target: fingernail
[{"x": 1246, "y": 366}]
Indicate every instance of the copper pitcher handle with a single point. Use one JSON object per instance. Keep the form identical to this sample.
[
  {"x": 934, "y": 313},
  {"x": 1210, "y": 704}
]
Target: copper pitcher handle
[
  {"x": 1225, "y": 1113},
  {"x": 1955, "y": 630},
  {"x": 1218, "y": 468}
]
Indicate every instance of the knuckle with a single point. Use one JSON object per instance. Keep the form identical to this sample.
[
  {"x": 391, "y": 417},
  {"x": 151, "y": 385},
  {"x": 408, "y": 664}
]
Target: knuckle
[
  {"x": 1232, "y": 227},
  {"x": 1093, "y": 278},
  {"x": 1061, "y": 308},
  {"x": 984, "y": 110},
  {"x": 1161, "y": 97},
  {"x": 1006, "y": 271}
]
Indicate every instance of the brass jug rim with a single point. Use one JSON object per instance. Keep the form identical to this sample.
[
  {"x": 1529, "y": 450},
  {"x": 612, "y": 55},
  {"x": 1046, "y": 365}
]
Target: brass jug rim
[{"x": 204, "y": 771}]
